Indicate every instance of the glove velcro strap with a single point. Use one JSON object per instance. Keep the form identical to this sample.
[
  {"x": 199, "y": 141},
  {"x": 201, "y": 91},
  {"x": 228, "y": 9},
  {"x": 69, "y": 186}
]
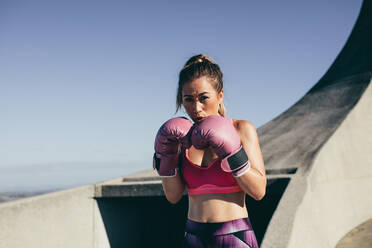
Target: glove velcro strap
[
  {"x": 240, "y": 172},
  {"x": 235, "y": 160}
]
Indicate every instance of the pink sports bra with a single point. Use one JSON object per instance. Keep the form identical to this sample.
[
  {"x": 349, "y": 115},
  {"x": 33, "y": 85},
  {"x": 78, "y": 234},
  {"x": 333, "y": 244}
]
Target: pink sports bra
[{"x": 207, "y": 180}]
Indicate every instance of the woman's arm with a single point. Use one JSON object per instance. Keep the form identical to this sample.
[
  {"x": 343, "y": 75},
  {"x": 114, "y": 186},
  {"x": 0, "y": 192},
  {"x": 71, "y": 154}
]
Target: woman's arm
[
  {"x": 173, "y": 188},
  {"x": 165, "y": 160},
  {"x": 253, "y": 182}
]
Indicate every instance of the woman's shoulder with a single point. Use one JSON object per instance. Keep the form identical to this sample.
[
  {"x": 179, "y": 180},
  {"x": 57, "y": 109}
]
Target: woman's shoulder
[
  {"x": 243, "y": 124},
  {"x": 244, "y": 127}
]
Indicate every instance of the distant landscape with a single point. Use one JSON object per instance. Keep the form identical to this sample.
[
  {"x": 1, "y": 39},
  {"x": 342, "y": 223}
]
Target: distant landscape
[
  {"x": 11, "y": 196},
  {"x": 19, "y": 182}
]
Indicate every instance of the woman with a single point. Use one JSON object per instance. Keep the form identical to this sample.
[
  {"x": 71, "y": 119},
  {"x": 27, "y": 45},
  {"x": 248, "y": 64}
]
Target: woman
[{"x": 217, "y": 158}]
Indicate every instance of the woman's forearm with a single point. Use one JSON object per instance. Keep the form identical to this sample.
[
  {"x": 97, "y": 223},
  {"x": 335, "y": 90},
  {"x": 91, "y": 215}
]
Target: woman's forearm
[
  {"x": 173, "y": 188},
  {"x": 253, "y": 183}
]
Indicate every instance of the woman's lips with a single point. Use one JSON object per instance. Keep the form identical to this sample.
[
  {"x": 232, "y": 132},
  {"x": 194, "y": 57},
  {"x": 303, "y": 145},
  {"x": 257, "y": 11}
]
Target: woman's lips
[{"x": 199, "y": 119}]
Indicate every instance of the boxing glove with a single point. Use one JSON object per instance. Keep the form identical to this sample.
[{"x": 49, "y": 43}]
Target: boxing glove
[
  {"x": 219, "y": 133},
  {"x": 167, "y": 142}
]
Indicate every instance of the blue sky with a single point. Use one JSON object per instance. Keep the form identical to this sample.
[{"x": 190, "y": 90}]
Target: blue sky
[{"x": 84, "y": 85}]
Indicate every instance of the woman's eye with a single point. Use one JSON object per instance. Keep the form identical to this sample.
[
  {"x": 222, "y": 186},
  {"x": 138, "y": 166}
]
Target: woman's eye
[
  {"x": 203, "y": 98},
  {"x": 188, "y": 99}
]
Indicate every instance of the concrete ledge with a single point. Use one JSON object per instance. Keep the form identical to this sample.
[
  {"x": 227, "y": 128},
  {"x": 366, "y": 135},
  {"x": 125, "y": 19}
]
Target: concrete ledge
[
  {"x": 59, "y": 219},
  {"x": 145, "y": 186}
]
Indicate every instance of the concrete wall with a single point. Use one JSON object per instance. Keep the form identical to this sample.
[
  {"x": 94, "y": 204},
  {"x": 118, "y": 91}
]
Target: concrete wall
[
  {"x": 336, "y": 195},
  {"x": 68, "y": 218}
]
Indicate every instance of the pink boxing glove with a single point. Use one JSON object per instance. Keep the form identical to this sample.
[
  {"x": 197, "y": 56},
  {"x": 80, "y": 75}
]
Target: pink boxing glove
[
  {"x": 168, "y": 139},
  {"x": 219, "y": 132}
]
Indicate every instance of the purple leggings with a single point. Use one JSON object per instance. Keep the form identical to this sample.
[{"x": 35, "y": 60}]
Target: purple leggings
[{"x": 235, "y": 233}]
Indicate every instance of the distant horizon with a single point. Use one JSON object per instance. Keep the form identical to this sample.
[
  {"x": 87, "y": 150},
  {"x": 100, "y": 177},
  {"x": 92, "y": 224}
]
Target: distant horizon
[{"x": 60, "y": 176}]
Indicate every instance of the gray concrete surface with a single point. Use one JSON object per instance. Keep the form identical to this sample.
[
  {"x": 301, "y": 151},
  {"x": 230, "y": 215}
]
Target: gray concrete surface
[
  {"x": 67, "y": 218},
  {"x": 360, "y": 236},
  {"x": 320, "y": 208}
]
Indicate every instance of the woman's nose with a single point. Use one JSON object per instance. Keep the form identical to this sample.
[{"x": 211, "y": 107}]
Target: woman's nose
[{"x": 197, "y": 107}]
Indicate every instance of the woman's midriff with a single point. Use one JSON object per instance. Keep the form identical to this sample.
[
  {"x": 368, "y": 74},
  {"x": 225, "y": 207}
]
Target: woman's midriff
[{"x": 217, "y": 207}]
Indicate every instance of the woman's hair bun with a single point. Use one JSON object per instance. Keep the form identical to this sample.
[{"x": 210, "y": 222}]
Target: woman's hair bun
[{"x": 200, "y": 58}]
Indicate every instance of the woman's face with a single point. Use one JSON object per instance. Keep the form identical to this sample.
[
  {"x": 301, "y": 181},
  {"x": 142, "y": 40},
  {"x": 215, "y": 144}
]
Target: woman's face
[{"x": 200, "y": 99}]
